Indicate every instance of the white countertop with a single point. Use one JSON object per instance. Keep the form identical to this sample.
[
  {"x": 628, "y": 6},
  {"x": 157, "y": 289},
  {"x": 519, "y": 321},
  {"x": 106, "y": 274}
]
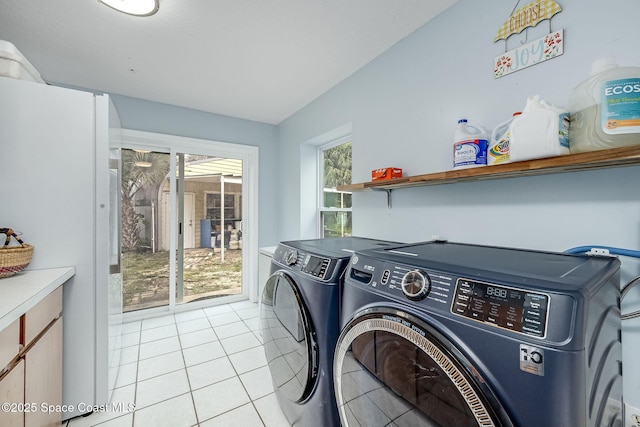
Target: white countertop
[
  {"x": 268, "y": 250},
  {"x": 22, "y": 291}
]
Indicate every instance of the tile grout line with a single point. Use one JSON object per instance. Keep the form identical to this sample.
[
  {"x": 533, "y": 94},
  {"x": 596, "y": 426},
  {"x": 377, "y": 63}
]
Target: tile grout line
[
  {"x": 228, "y": 355},
  {"x": 251, "y": 401},
  {"x": 232, "y": 367},
  {"x": 193, "y": 402},
  {"x": 135, "y": 387}
]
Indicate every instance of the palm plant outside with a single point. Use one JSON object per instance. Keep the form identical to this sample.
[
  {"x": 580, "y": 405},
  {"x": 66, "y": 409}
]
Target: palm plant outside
[
  {"x": 134, "y": 179},
  {"x": 337, "y": 165},
  {"x": 337, "y": 171}
]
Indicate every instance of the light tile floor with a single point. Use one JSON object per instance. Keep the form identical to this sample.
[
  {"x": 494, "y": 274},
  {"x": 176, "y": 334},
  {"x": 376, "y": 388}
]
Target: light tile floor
[{"x": 204, "y": 367}]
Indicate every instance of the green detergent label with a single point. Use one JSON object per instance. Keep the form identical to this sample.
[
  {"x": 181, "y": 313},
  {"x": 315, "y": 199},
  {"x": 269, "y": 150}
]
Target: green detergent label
[
  {"x": 620, "y": 110},
  {"x": 563, "y": 130}
]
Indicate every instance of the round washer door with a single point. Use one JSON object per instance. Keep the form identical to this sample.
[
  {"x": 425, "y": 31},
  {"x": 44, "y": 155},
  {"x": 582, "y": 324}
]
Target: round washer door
[
  {"x": 289, "y": 338},
  {"x": 391, "y": 368}
]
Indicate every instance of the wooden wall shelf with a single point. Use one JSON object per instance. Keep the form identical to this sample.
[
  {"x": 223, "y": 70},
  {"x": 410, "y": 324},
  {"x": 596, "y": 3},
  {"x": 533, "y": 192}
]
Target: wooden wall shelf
[{"x": 615, "y": 157}]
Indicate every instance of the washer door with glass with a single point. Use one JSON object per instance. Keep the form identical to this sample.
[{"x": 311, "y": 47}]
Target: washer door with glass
[
  {"x": 391, "y": 368},
  {"x": 289, "y": 338}
]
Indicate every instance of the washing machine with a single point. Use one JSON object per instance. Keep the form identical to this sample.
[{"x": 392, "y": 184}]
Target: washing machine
[
  {"x": 299, "y": 317},
  {"x": 451, "y": 334}
]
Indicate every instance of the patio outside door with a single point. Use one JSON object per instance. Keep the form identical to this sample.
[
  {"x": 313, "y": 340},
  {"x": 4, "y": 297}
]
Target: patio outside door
[{"x": 182, "y": 222}]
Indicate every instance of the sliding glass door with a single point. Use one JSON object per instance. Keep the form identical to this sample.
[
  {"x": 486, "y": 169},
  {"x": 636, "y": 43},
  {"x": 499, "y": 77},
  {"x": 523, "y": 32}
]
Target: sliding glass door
[
  {"x": 209, "y": 227},
  {"x": 184, "y": 225},
  {"x": 145, "y": 261}
]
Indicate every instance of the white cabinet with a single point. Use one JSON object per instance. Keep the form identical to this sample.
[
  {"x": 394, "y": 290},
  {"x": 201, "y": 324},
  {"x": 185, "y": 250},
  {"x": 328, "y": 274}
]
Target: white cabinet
[{"x": 31, "y": 348}]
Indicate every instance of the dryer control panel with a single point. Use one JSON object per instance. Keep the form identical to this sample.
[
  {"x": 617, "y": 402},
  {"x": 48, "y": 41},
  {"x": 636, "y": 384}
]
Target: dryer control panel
[
  {"x": 316, "y": 266},
  {"x": 510, "y": 308},
  {"x": 319, "y": 267}
]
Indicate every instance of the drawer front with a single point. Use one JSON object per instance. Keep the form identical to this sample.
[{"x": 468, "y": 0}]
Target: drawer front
[
  {"x": 40, "y": 316},
  {"x": 12, "y": 392},
  {"x": 43, "y": 377},
  {"x": 9, "y": 344}
]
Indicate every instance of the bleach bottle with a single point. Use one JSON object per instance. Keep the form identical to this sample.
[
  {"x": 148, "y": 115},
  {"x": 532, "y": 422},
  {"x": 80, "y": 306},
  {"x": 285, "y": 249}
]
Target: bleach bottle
[{"x": 470, "y": 145}]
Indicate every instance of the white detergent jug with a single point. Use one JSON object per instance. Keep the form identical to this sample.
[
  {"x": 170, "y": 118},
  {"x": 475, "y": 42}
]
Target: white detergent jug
[
  {"x": 469, "y": 146},
  {"x": 542, "y": 130}
]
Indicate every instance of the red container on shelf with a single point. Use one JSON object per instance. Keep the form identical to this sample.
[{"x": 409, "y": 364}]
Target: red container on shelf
[{"x": 386, "y": 173}]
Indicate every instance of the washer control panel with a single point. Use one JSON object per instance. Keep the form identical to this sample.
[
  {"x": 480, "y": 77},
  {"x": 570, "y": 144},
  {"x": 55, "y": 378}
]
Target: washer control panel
[
  {"x": 416, "y": 285},
  {"x": 505, "y": 307},
  {"x": 404, "y": 282},
  {"x": 518, "y": 310}
]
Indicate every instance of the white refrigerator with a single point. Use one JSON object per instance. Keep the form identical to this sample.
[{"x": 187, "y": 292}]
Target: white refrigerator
[{"x": 55, "y": 188}]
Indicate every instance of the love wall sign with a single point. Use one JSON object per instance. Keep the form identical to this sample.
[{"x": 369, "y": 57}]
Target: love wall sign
[{"x": 532, "y": 53}]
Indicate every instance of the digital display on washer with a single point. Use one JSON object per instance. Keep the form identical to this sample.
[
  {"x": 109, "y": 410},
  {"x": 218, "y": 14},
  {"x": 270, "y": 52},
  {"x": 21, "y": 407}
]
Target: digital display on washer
[
  {"x": 315, "y": 266},
  {"x": 509, "y": 308}
]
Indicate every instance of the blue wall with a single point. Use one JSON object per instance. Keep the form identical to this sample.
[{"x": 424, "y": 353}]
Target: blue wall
[
  {"x": 403, "y": 107},
  {"x": 147, "y": 116}
]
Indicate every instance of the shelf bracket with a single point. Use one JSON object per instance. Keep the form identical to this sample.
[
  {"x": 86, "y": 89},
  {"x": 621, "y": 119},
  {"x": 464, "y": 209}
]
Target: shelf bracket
[{"x": 388, "y": 191}]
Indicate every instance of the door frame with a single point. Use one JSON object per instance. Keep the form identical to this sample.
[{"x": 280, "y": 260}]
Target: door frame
[
  {"x": 190, "y": 215},
  {"x": 189, "y": 206},
  {"x": 172, "y": 144}
]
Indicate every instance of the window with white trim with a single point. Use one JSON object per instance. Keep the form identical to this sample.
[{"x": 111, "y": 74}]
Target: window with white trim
[{"x": 334, "y": 207}]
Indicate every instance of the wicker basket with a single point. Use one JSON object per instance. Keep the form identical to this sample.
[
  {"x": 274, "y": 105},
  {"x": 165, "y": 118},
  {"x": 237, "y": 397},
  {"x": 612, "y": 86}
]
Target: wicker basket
[{"x": 14, "y": 258}]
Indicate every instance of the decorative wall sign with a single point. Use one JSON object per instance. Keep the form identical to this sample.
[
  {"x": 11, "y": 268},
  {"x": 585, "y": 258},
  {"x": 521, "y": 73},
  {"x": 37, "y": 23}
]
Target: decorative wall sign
[
  {"x": 535, "y": 52},
  {"x": 529, "y": 15}
]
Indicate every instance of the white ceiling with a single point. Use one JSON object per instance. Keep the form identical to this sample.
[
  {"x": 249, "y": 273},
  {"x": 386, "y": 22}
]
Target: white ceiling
[{"x": 259, "y": 60}]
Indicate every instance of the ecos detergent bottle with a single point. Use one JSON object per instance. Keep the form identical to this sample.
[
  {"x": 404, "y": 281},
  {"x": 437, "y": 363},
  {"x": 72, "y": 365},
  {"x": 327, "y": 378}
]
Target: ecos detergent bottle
[
  {"x": 470, "y": 145},
  {"x": 605, "y": 108}
]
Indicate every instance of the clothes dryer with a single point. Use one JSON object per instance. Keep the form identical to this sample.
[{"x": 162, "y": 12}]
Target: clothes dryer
[
  {"x": 299, "y": 315},
  {"x": 446, "y": 334}
]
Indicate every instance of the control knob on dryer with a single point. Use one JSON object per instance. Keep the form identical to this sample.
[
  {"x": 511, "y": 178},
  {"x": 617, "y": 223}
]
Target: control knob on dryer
[
  {"x": 416, "y": 285},
  {"x": 290, "y": 257}
]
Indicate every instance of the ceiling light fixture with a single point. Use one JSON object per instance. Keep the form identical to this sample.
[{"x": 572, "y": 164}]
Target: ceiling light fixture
[
  {"x": 133, "y": 7},
  {"x": 143, "y": 164}
]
